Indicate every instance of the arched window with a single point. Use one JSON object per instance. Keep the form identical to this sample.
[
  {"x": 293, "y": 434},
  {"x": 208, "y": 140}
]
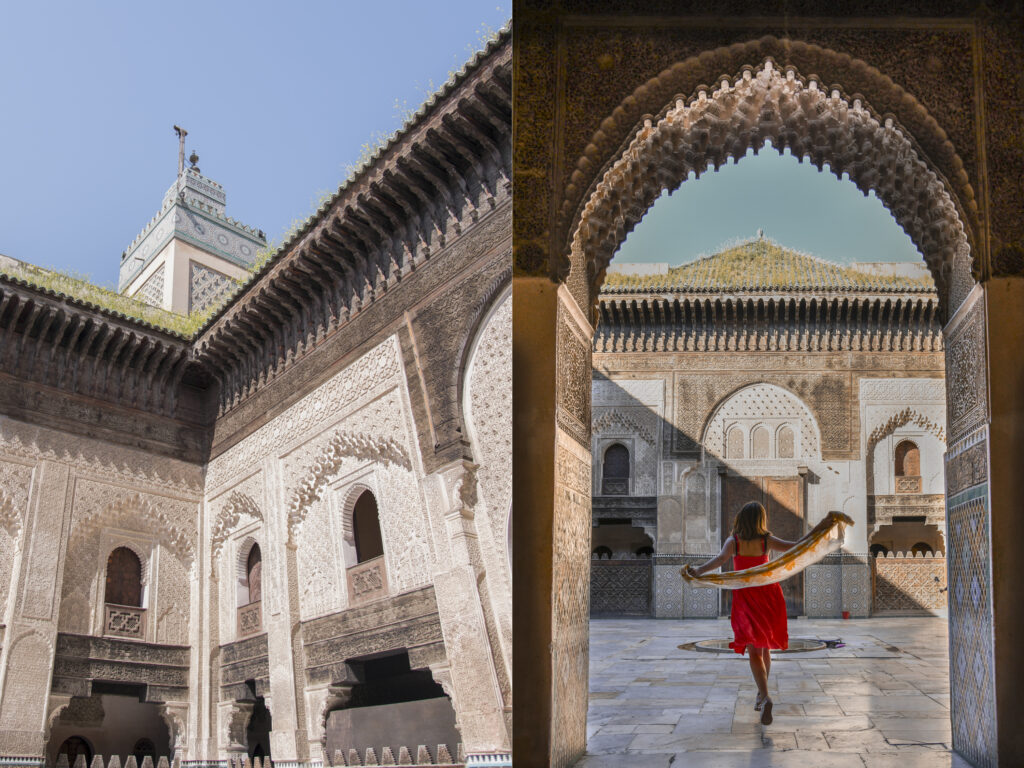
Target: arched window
[
  {"x": 74, "y": 746},
  {"x": 366, "y": 528},
  {"x": 786, "y": 442},
  {"x": 908, "y": 459},
  {"x": 124, "y": 578},
  {"x": 645, "y": 552},
  {"x": 908, "y": 467},
  {"x": 878, "y": 549},
  {"x": 602, "y": 553},
  {"x": 143, "y": 748},
  {"x": 734, "y": 444},
  {"x": 922, "y": 548},
  {"x": 615, "y": 471},
  {"x": 254, "y": 574},
  {"x": 759, "y": 442}
]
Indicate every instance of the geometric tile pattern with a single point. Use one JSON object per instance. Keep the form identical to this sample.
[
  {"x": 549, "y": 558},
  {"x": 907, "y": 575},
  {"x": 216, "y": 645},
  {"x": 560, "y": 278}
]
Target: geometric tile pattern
[
  {"x": 152, "y": 291},
  {"x": 668, "y": 587},
  {"x": 823, "y": 588},
  {"x": 909, "y": 584},
  {"x": 972, "y": 667},
  {"x": 856, "y": 584},
  {"x": 699, "y": 602},
  {"x": 620, "y": 587},
  {"x": 205, "y": 287}
]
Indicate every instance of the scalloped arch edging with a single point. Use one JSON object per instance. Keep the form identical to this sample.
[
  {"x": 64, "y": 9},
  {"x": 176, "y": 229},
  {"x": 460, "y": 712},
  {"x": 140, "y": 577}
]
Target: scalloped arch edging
[{"x": 766, "y": 104}]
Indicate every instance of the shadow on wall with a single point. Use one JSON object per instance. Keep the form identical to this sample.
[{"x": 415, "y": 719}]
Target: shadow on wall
[
  {"x": 645, "y": 495},
  {"x": 113, "y": 721}
]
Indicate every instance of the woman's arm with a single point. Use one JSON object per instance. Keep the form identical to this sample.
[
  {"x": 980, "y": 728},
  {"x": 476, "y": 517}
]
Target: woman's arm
[{"x": 717, "y": 561}]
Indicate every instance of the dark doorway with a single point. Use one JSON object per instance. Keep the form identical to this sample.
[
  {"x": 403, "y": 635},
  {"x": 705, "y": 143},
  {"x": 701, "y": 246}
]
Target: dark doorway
[{"x": 257, "y": 733}]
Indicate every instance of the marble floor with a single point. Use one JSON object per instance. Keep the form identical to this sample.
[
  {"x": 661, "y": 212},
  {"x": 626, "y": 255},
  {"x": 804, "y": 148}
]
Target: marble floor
[{"x": 882, "y": 701}]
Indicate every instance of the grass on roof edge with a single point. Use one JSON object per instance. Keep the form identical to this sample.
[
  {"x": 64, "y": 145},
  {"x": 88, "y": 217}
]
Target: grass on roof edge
[{"x": 81, "y": 290}]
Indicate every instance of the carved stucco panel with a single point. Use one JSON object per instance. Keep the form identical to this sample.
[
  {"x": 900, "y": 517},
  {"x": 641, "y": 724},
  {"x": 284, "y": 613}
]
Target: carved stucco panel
[
  {"x": 489, "y": 418},
  {"x": 15, "y": 481},
  {"x": 171, "y": 609},
  {"x": 28, "y": 674},
  {"x": 967, "y": 369},
  {"x": 99, "y": 459},
  {"x": 404, "y": 527},
  {"x": 374, "y": 372},
  {"x": 98, "y": 506},
  {"x": 639, "y": 423},
  {"x": 761, "y": 401},
  {"x": 570, "y": 596}
]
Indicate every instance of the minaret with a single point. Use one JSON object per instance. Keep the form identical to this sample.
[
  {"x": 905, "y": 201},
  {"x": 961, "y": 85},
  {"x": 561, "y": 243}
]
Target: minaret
[{"x": 190, "y": 253}]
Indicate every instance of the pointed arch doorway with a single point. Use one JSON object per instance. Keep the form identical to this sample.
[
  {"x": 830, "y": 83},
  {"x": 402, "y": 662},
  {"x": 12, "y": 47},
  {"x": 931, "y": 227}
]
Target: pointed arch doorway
[{"x": 650, "y": 142}]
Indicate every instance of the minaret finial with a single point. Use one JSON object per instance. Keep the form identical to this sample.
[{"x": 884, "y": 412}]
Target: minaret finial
[{"x": 182, "y": 133}]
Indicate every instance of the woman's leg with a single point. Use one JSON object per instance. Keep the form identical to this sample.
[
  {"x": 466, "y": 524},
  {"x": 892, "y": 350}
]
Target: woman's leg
[
  {"x": 766, "y": 656},
  {"x": 757, "y": 669}
]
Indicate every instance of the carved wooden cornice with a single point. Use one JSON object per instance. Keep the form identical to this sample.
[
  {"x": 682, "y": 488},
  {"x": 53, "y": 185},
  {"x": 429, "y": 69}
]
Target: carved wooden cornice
[
  {"x": 435, "y": 180},
  {"x": 805, "y": 323},
  {"x": 53, "y": 341}
]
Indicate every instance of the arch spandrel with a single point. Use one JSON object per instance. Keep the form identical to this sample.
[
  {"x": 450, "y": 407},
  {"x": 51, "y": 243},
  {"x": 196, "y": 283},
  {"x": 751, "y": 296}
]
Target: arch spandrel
[{"x": 929, "y": 197}]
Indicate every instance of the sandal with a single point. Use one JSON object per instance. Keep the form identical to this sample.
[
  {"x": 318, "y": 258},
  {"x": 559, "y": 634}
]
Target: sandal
[
  {"x": 758, "y": 702},
  {"x": 766, "y": 711}
]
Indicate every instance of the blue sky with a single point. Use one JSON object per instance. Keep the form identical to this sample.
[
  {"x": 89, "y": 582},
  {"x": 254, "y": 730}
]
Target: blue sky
[
  {"x": 277, "y": 98},
  {"x": 793, "y": 203}
]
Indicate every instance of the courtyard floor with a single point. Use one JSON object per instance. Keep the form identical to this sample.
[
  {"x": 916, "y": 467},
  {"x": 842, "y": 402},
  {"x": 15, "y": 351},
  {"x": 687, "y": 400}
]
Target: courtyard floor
[{"x": 882, "y": 701}]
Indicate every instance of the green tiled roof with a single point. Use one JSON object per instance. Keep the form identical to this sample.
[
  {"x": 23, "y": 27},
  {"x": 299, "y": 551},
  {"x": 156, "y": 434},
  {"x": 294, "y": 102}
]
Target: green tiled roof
[{"x": 759, "y": 266}]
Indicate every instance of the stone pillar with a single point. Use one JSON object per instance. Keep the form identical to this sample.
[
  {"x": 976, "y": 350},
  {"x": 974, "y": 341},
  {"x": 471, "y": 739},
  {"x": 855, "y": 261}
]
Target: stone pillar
[
  {"x": 289, "y": 740},
  {"x": 320, "y": 702},
  {"x": 1004, "y": 318},
  {"x": 233, "y": 717},
  {"x": 176, "y": 716},
  {"x": 474, "y": 687},
  {"x": 26, "y": 662},
  {"x": 551, "y": 508}
]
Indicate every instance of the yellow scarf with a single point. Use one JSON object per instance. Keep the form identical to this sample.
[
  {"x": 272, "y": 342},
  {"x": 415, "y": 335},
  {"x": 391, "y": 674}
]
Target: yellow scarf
[{"x": 806, "y": 552}]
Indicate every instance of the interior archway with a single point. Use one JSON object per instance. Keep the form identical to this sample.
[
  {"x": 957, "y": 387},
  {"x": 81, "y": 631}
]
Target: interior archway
[{"x": 763, "y": 105}]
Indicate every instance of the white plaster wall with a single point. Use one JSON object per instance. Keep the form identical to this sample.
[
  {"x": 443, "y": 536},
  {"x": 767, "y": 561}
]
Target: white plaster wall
[{"x": 631, "y": 412}]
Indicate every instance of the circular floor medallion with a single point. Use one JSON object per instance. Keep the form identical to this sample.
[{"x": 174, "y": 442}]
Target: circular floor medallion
[{"x": 721, "y": 645}]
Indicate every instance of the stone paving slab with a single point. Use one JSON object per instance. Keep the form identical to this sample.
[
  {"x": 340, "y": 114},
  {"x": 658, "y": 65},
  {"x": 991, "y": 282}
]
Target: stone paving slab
[{"x": 882, "y": 701}]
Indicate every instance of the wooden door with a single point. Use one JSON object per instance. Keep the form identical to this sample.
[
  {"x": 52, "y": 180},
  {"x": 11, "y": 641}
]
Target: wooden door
[
  {"x": 783, "y": 498},
  {"x": 124, "y": 578}
]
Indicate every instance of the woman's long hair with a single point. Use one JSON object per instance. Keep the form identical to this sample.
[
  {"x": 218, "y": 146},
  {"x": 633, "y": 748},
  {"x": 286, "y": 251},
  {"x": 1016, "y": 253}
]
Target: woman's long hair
[{"x": 751, "y": 522}]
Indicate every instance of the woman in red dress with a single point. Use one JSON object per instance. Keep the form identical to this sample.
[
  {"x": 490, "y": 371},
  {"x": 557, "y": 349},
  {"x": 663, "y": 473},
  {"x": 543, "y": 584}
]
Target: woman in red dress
[{"x": 758, "y": 613}]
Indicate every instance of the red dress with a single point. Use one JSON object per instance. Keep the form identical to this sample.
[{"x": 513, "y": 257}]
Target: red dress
[{"x": 758, "y": 613}]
